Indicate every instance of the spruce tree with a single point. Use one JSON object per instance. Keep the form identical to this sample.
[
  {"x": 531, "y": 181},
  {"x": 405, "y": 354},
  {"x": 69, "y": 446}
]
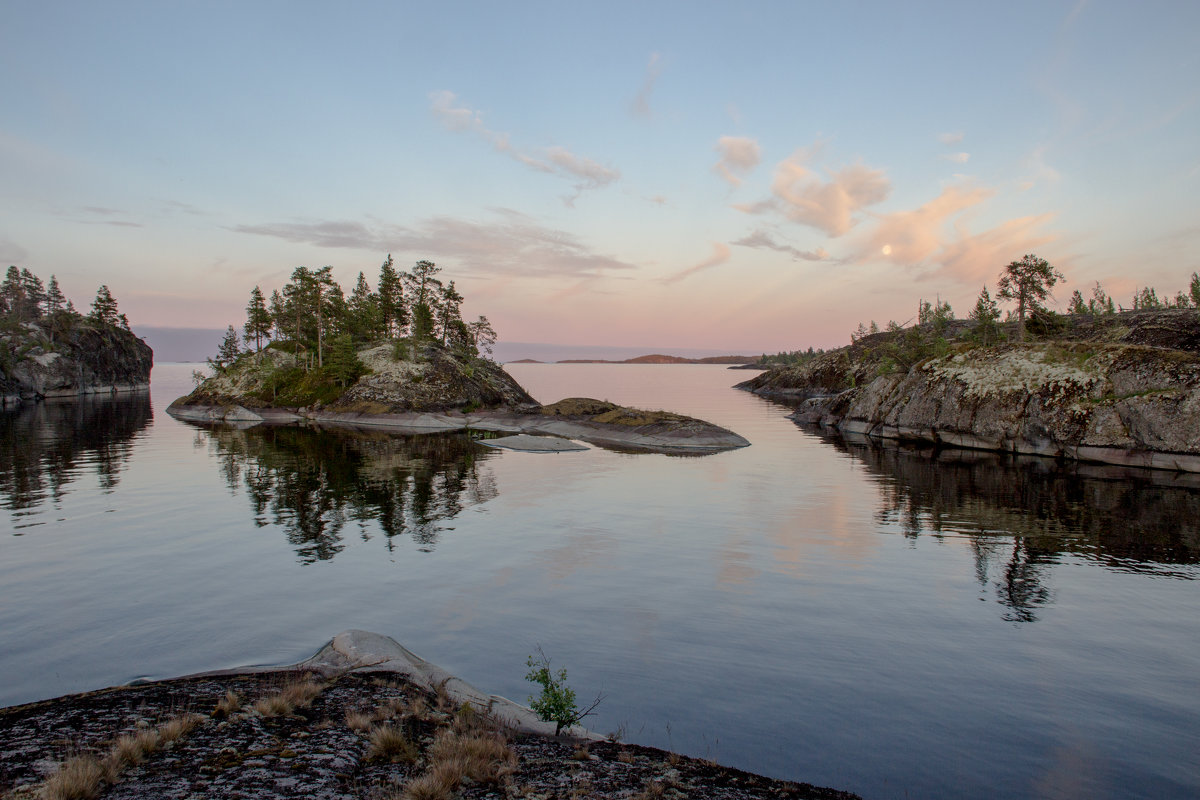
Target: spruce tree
[
  {"x": 258, "y": 320},
  {"x": 54, "y": 297},
  {"x": 393, "y": 316},
  {"x": 1194, "y": 290},
  {"x": 228, "y": 352},
  {"x": 985, "y": 314},
  {"x": 104, "y": 307}
]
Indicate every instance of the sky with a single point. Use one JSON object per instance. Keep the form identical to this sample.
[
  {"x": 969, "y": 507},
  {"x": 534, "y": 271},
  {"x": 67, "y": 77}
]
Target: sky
[{"x": 737, "y": 176}]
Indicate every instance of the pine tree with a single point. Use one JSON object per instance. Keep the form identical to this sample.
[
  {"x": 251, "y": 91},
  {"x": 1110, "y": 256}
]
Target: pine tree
[
  {"x": 448, "y": 310},
  {"x": 363, "y": 308},
  {"x": 1194, "y": 290},
  {"x": 1027, "y": 282},
  {"x": 104, "y": 307},
  {"x": 483, "y": 335},
  {"x": 344, "y": 364},
  {"x": 258, "y": 320},
  {"x": 1100, "y": 303},
  {"x": 1077, "y": 306}
]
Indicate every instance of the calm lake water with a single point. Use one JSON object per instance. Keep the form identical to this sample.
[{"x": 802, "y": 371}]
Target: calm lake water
[{"x": 892, "y": 622}]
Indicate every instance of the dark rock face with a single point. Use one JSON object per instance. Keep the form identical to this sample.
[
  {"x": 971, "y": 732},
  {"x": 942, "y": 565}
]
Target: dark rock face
[
  {"x": 1097, "y": 392},
  {"x": 88, "y": 358}
]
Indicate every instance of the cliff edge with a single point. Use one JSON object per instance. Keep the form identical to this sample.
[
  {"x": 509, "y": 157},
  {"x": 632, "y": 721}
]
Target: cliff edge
[
  {"x": 45, "y": 359},
  {"x": 1118, "y": 389}
]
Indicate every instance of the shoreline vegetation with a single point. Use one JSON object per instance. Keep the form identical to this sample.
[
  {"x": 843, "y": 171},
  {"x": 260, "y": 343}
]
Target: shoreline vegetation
[
  {"x": 1097, "y": 384},
  {"x": 362, "y": 715},
  {"x": 401, "y": 359}
]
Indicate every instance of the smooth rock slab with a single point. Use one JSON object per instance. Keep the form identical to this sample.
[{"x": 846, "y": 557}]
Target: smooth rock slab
[{"x": 534, "y": 444}]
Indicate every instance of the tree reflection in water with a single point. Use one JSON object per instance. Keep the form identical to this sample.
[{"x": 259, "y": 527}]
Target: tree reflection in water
[
  {"x": 45, "y": 446},
  {"x": 314, "y": 483},
  {"x": 1022, "y": 514}
]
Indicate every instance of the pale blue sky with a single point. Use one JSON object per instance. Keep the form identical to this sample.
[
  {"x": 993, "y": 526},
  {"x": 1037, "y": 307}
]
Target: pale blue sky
[{"x": 751, "y": 175}]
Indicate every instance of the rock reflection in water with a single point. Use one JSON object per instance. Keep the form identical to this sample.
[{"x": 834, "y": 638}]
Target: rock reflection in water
[
  {"x": 45, "y": 446},
  {"x": 313, "y": 483},
  {"x": 1022, "y": 514}
]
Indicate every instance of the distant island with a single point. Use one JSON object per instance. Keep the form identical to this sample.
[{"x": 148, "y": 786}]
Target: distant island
[
  {"x": 401, "y": 358},
  {"x": 656, "y": 358},
  {"x": 1096, "y": 384},
  {"x": 49, "y": 350}
]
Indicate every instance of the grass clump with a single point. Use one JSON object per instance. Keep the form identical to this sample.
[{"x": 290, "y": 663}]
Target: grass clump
[
  {"x": 294, "y": 695},
  {"x": 389, "y": 743},
  {"x": 80, "y": 777},
  {"x": 228, "y": 705}
]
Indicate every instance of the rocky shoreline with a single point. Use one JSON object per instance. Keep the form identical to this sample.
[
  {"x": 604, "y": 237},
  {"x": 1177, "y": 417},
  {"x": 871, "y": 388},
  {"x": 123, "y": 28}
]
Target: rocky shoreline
[
  {"x": 363, "y": 718},
  {"x": 1122, "y": 391}
]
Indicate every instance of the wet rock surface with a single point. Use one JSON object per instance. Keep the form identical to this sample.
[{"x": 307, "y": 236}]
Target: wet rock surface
[{"x": 325, "y": 749}]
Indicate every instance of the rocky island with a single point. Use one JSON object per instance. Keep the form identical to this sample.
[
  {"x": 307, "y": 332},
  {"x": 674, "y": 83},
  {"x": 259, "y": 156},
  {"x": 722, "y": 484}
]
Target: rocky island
[
  {"x": 405, "y": 361},
  {"x": 1116, "y": 388},
  {"x": 48, "y": 350},
  {"x": 364, "y": 717}
]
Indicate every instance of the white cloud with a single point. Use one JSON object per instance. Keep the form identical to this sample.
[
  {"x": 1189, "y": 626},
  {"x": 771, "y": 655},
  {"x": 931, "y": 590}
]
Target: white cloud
[
  {"x": 584, "y": 172},
  {"x": 721, "y": 253},
  {"x": 957, "y": 158},
  {"x": 739, "y": 155},
  {"x": 512, "y": 245},
  {"x": 951, "y": 138}
]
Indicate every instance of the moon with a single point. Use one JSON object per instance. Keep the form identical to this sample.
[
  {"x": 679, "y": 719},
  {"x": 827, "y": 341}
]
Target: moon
[{"x": 886, "y": 250}]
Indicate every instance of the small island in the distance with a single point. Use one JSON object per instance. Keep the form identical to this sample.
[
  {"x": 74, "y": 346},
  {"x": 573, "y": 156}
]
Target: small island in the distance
[{"x": 402, "y": 359}]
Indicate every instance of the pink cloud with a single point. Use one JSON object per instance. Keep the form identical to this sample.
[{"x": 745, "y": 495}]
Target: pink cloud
[
  {"x": 827, "y": 205},
  {"x": 739, "y": 155},
  {"x": 721, "y": 253}
]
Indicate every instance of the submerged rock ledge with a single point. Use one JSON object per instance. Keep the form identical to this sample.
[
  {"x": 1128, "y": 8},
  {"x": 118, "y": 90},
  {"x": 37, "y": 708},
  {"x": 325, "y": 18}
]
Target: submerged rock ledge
[
  {"x": 675, "y": 434},
  {"x": 364, "y": 717}
]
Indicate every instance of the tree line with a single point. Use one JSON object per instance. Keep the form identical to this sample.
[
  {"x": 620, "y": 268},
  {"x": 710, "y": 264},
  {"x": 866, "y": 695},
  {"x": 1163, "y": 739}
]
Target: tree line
[
  {"x": 313, "y": 318},
  {"x": 1027, "y": 284},
  {"x": 25, "y": 298}
]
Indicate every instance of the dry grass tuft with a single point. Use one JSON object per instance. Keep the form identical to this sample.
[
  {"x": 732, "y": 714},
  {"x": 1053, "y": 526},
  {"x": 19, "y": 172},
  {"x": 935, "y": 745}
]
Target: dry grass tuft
[
  {"x": 177, "y": 727},
  {"x": 581, "y": 753},
  {"x": 483, "y": 757},
  {"x": 625, "y": 757},
  {"x": 673, "y": 759},
  {"x": 359, "y": 720},
  {"x": 128, "y": 750},
  {"x": 389, "y": 743},
  {"x": 79, "y": 777},
  {"x": 294, "y": 695},
  {"x": 431, "y": 785},
  {"x": 228, "y": 705},
  {"x": 652, "y": 790}
]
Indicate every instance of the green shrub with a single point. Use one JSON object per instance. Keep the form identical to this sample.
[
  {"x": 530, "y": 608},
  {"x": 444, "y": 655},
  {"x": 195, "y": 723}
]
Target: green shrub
[{"x": 556, "y": 703}]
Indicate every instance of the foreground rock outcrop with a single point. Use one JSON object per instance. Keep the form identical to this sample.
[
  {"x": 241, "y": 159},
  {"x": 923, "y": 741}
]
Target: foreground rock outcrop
[
  {"x": 364, "y": 718},
  {"x": 434, "y": 393},
  {"x": 40, "y": 360},
  {"x": 1118, "y": 390}
]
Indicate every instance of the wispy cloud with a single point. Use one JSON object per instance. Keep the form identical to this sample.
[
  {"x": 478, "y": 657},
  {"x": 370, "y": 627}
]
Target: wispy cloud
[
  {"x": 950, "y": 138},
  {"x": 829, "y": 204},
  {"x": 11, "y": 252},
  {"x": 762, "y": 240},
  {"x": 721, "y": 253},
  {"x": 584, "y": 172},
  {"x": 511, "y": 245},
  {"x": 739, "y": 155},
  {"x": 640, "y": 107},
  {"x": 957, "y": 158}
]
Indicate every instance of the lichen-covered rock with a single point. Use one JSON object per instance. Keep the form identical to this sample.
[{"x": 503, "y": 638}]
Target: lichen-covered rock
[
  {"x": 1122, "y": 389},
  {"x": 85, "y": 358}
]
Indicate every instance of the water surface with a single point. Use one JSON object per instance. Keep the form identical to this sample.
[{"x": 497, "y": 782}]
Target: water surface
[{"x": 894, "y": 622}]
